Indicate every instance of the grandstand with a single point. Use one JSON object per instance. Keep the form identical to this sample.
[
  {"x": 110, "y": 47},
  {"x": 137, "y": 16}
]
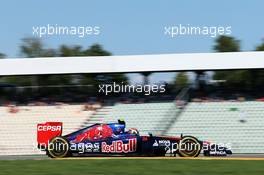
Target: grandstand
[
  {"x": 146, "y": 117},
  {"x": 240, "y": 124},
  {"x": 18, "y": 130}
]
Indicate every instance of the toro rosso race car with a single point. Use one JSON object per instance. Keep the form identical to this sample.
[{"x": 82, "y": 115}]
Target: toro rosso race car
[{"x": 113, "y": 139}]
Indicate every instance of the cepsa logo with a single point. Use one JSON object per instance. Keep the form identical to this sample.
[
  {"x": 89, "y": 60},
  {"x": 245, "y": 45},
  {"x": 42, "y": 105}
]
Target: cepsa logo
[
  {"x": 49, "y": 128},
  {"x": 119, "y": 146}
]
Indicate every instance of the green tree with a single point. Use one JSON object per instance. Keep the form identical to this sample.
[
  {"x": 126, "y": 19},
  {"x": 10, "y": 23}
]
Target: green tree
[
  {"x": 67, "y": 51},
  {"x": 53, "y": 85},
  {"x": 93, "y": 50},
  {"x": 223, "y": 44},
  {"x": 2, "y": 55},
  {"x": 227, "y": 44},
  {"x": 17, "y": 80},
  {"x": 236, "y": 79},
  {"x": 260, "y": 47},
  {"x": 96, "y": 50},
  {"x": 33, "y": 47},
  {"x": 181, "y": 80}
]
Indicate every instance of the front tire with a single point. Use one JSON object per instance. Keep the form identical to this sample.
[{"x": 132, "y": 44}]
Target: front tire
[
  {"x": 189, "y": 146},
  {"x": 58, "y": 147}
]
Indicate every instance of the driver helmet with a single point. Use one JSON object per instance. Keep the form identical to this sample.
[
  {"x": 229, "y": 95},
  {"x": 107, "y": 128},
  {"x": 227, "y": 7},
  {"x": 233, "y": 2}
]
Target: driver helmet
[{"x": 133, "y": 131}]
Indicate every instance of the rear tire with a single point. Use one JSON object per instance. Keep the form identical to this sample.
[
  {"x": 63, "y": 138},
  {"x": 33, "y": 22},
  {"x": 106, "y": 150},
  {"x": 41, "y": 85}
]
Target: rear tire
[
  {"x": 58, "y": 147},
  {"x": 189, "y": 146}
]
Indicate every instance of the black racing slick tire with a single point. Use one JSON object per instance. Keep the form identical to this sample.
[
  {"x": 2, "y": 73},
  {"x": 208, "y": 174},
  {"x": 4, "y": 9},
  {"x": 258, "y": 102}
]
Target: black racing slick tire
[
  {"x": 189, "y": 146},
  {"x": 58, "y": 147}
]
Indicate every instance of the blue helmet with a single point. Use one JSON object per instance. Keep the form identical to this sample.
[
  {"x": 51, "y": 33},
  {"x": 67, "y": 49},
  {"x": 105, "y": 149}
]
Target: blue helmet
[{"x": 119, "y": 127}]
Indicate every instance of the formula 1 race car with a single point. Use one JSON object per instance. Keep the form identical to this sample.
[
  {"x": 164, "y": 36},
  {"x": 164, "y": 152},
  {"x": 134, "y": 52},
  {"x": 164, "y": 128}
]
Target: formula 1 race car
[{"x": 112, "y": 140}]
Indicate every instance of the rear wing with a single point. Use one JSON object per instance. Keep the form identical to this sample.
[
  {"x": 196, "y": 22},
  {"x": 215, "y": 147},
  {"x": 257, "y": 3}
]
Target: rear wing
[{"x": 47, "y": 131}]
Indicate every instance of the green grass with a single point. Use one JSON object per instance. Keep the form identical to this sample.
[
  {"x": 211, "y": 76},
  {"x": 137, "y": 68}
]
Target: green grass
[{"x": 131, "y": 166}]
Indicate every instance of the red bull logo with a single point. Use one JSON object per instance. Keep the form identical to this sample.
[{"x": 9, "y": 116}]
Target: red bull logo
[{"x": 120, "y": 147}]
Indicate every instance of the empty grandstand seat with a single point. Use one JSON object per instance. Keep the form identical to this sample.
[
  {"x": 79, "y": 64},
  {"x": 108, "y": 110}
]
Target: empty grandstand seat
[
  {"x": 18, "y": 130},
  {"x": 146, "y": 117},
  {"x": 240, "y": 124}
]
